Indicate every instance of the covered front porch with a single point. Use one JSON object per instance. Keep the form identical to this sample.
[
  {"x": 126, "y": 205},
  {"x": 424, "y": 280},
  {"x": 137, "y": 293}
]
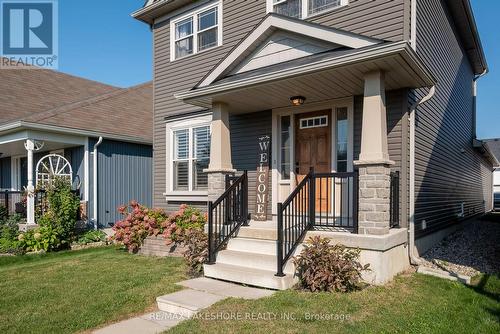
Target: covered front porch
[
  {"x": 28, "y": 157},
  {"x": 323, "y": 148}
]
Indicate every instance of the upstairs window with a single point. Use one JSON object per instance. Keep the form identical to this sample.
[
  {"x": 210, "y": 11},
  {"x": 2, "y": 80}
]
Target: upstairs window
[
  {"x": 303, "y": 8},
  {"x": 196, "y": 31}
]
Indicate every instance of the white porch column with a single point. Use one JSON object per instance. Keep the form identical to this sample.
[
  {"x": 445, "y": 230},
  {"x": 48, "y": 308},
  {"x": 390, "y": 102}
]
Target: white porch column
[
  {"x": 30, "y": 202},
  {"x": 374, "y": 164},
  {"x": 220, "y": 151}
]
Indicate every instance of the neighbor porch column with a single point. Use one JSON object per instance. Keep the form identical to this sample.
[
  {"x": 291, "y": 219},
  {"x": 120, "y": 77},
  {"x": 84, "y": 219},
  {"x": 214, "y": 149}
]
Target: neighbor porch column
[
  {"x": 220, "y": 151},
  {"x": 30, "y": 199},
  {"x": 374, "y": 163}
]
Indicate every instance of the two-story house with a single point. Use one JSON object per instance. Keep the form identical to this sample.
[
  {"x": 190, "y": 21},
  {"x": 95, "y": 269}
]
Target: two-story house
[{"x": 354, "y": 119}]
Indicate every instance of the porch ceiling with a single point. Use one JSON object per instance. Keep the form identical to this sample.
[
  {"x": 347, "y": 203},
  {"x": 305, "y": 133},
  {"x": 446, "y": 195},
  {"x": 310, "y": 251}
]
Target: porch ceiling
[{"x": 318, "y": 78}]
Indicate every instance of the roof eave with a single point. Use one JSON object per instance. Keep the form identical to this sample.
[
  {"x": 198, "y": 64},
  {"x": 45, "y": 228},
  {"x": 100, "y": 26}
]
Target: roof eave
[
  {"x": 23, "y": 125},
  {"x": 378, "y": 51}
]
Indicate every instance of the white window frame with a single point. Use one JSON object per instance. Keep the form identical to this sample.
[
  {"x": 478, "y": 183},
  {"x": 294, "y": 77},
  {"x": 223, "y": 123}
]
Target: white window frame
[
  {"x": 330, "y": 105},
  {"x": 194, "y": 15},
  {"x": 183, "y": 195},
  {"x": 325, "y": 117},
  {"x": 305, "y": 7}
]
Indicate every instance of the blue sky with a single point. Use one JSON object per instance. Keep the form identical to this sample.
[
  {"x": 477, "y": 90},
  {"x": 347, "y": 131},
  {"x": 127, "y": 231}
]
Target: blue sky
[{"x": 100, "y": 41}]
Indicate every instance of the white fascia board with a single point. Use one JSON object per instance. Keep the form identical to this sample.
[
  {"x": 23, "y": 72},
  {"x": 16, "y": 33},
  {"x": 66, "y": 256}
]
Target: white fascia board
[
  {"x": 305, "y": 28},
  {"x": 22, "y": 125},
  {"x": 363, "y": 55}
]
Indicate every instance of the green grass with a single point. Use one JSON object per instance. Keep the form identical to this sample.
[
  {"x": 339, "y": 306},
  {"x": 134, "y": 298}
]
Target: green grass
[
  {"x": 411, "y": 304},
  {"x": 69, "y": 292}
]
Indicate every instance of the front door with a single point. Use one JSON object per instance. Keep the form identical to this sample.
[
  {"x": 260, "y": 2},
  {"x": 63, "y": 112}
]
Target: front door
[{"x": 313, "y": 149}]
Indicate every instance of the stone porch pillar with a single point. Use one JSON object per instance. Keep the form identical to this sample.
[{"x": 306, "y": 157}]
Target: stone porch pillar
[
  {"x": 220, "y": 151},
  {"x": 30, "y": 200},
  {"x": 374, "y": 163}
]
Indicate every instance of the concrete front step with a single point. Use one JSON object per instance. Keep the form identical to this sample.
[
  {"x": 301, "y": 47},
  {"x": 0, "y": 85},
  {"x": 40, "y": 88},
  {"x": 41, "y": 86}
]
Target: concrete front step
[
  {"x": 246, "y": 259},
  {"x": 250, "y": 276},
  {"x": 259, "y": 246},
  {"x": 255, "y": 231},
  {"x": 187, "y": 302}
]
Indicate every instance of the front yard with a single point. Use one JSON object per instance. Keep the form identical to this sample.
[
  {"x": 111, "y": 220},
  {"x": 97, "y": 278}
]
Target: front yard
[
  {"x": 413, "y": 303},
  {"x": 70, "y": 292}
]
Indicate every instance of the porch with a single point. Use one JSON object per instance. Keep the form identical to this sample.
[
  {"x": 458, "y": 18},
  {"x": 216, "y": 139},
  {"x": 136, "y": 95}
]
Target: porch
[
  {"x": 26, "y": 163},
  {"x": 318, "y": 182}
]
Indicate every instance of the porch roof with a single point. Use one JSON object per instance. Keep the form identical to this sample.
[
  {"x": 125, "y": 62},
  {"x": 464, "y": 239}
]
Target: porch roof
[{"x": 327, "y": 75}]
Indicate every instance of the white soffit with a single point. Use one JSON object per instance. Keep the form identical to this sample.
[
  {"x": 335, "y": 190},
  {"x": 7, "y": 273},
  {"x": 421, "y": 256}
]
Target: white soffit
[{"x": 260, "y": 37}]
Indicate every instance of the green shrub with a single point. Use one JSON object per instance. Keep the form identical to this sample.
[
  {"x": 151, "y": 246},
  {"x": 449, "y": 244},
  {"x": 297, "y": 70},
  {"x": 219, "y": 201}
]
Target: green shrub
[
  {"x": 62, "y": 209},
  {"x": 325, "y": 267},
  {"x": 9, "y": 230},
  {"x": 91, "y": 236}
]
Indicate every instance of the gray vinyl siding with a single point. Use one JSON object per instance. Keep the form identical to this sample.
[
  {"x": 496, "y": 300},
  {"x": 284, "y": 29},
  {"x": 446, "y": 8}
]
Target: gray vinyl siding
[
  {"x": 124, "y": 174},
  {"x": 75, "y": 156},
  {"x": 5, "y": 175},
  {"x": 384, "y": 19},
  {"x": 448, "y": 171},
  {"x": 245, "y": 130},
  {"x": 397, "y": 134}
]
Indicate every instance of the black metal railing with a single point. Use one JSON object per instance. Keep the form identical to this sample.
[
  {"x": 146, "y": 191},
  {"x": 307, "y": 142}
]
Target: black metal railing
[
  {"x": 394, "y": 200},
  {"x": 320, "y": 200},
  {"x": 227, "y": 214},
  {"x": 12, "y": 201}
]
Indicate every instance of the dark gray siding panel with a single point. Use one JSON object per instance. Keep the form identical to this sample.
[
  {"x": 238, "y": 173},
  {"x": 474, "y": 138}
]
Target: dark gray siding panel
[
  {"x": 397, "y": 132},
  {"x": 5, "y": 169},
  {"x": 384, "y": 19},
  {"x": 245, "y": 130},
  {"x": 124, "y": 174},
  {"x": 448, "y": 172},
  {"x": 75, "y": 156}
]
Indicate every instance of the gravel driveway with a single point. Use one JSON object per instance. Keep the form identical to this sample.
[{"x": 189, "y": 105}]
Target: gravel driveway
[{"x": 474, "y": 249}]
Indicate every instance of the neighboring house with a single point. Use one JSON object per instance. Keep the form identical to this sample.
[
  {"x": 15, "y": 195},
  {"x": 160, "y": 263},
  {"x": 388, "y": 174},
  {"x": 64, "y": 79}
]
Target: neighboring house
[
  {"x": 375, "y": 95},
  {"x": 46, "y": 112},
  {"x": 494, "y": 148}
]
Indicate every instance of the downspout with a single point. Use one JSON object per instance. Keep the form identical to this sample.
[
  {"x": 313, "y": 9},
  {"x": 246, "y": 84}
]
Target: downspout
[
  {"x": 474, "y": 107},
  {"x": 95, "y": 182},
  {"x": 414, "y": 258}
]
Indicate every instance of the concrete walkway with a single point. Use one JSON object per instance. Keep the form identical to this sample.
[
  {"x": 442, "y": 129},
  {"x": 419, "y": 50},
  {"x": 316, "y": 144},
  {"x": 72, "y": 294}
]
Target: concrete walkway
[{"x": 199, "y": 294}]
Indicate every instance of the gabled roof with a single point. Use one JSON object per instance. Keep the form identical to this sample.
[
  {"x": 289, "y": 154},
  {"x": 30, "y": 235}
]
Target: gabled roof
[
  {"x": 271, "y": 24},
  {"x": 24, "y": 92},
  {"x": 50, "y": 98}
]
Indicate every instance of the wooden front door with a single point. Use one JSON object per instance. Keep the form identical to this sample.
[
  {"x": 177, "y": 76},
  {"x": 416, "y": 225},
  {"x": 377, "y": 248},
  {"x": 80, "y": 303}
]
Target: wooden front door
[{"x": 313, "y": 149}]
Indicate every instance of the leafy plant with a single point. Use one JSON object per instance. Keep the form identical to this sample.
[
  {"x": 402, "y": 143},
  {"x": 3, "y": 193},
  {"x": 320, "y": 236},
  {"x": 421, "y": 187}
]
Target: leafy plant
[
  {"x": 196, "y": 253},
  {"x": 44, "y": 238},
  {"x": 325, "y": 267},
  {"x": 62, "y": 211},
  {"x": 9, "y": 231},
  {"x": 91, "y": 236}
]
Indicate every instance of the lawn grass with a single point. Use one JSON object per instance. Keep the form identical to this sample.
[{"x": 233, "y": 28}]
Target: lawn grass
[
  {"x": 69, "y": 292},
  {"x": 413, "y": 303}
]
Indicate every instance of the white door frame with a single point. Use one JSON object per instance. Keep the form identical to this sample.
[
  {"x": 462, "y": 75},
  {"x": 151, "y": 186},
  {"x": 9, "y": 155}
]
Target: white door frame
[{"x": 277, "y": 113}]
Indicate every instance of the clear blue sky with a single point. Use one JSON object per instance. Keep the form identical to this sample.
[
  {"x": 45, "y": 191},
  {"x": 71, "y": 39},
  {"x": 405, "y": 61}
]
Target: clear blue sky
[{"x": 100, "y": 41}]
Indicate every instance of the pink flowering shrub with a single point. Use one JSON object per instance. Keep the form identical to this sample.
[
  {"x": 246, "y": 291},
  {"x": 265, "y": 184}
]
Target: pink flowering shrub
[
  {"x": 187, "y": 217},
  {"x": 138, "y": 223}
]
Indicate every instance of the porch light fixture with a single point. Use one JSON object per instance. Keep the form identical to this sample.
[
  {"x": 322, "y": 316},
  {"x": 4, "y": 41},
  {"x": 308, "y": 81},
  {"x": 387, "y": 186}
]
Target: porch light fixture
[{"x": 297, "y": 100}]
